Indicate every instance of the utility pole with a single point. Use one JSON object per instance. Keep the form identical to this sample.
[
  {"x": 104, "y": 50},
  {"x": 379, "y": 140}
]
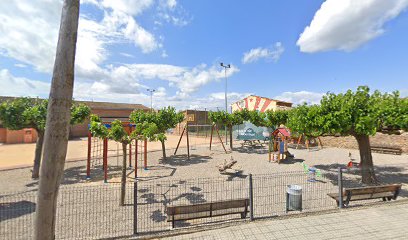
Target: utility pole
[
  {"x": 151, "y": 98},
  {"x": 226, "y": 102}
]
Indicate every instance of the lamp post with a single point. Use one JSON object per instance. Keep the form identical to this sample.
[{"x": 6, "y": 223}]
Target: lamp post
[
  {"x": 151, "y": 98},
  {"x": 226, "y": 103}
]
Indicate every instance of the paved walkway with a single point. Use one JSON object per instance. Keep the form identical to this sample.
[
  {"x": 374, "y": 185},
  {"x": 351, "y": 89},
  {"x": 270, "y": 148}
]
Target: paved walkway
[{"x": 387, "y": 221}]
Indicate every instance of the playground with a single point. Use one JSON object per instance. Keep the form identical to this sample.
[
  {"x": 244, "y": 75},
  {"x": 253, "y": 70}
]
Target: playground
[
  {"x": 180, "y": 180},
  {"x": 203, "y": 162}
]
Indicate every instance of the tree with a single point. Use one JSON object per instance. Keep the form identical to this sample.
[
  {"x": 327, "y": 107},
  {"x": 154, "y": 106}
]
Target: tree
[
  {"x": 306, "y": 120},
  {"x": 226, "y": 119},
  {"x": 276, "y": 118},
  {"x": 32, "y": 113},
  {"x": 163, "y": 120},
  {"x": 362, "y": 114},
  {"x": 359, "y": 114},
  {"x": 57, "y": 123},
  {"x": 116, "y": 133}
]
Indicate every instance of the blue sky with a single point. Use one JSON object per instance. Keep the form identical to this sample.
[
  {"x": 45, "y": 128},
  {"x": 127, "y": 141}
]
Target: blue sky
[{"x": 290, "y": 50}]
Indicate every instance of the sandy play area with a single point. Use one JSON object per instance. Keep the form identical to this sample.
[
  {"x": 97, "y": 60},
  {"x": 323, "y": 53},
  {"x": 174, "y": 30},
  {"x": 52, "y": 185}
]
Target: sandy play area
[
  {"x": 89, "y": 208},
  {"x": 22, "y": 155}
]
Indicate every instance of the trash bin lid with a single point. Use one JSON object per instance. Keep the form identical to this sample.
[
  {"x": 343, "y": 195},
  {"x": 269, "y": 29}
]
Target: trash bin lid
[{"x": 294, "y": 189}]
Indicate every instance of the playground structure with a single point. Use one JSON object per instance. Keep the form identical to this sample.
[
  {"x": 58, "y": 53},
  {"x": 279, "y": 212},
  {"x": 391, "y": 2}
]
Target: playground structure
[
  {"x": 279, "y": 144},
  {"x": 98, "y": 152}
]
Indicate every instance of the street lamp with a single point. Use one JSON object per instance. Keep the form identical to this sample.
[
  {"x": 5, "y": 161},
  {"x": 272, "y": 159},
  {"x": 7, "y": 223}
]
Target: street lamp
[
  {"x": 151, "y": 98},
  {"x": 226, "y": 104}
]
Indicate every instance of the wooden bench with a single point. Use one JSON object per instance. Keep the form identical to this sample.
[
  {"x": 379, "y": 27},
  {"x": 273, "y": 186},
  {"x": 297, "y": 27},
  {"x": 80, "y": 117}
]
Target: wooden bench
[
  {"x": 386, "y": 192},
  {"x": 386, "y": 149},
  {"x": 204, "y": 210}
]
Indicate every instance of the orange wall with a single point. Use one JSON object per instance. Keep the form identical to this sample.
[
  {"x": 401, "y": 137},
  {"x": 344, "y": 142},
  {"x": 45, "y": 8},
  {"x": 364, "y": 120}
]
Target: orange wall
[
  {"x": 3, "y": 135},
  {"x": 26, "y": 135},
  {"x": 79, "y": 130}
]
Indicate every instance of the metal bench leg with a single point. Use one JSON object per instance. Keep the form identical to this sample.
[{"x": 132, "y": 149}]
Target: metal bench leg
[{"x": 172, "y": 222}]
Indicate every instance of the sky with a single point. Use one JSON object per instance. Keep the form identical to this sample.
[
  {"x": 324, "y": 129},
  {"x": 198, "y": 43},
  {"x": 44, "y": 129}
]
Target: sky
[{"x": 291, "y": 50}]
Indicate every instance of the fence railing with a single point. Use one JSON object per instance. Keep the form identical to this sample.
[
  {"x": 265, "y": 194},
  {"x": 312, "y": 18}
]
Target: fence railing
[{"x": 90, "y": 211}]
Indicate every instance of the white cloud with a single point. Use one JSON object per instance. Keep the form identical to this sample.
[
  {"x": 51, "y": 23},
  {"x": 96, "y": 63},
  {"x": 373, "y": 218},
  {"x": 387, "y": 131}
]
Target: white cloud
[
  {"x": 127, "y": 78},
  {"x": 33, "y": 40},
  {"x": 30, "y": 40},
  {"x": 127, "y": 55},
  {"x": 160, "y": 92},
  {"x": 171, "y": 3},
  {"x": 300, "y": 97},
  {"x": 20, "y": 65},
  {"x": 131, "y": 7},
  {"x": 120, "y": 90},
  {"x": 255, "y": 54},
  {"x": 169, "y": 11},
  {"x": 19, "y": 86},
  {"x": 164, "y": 54},
  {"x": 232, "y": 96},
  {"x": 348, "y": 24}
]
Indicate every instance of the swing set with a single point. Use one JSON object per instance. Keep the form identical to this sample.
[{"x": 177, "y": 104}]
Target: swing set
[{"x": 197, "y": 133}]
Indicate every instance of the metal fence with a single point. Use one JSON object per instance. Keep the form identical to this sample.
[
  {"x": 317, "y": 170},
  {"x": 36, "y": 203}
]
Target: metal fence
[{"x": 90, "y": 211}]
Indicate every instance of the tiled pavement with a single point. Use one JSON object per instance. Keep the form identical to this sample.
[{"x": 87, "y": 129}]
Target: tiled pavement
[{"x": 385, "y": 221}]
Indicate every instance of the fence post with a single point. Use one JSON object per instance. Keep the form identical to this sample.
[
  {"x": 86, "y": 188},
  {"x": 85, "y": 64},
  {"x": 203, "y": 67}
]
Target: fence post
[
  {"x": 251, "y": 198},
  {"x": 135, "y": 207},
  {"x": 340, "y": 180}
]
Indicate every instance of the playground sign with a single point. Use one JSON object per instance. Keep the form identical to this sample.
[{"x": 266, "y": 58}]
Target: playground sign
[{"x": 248, "y": 131}]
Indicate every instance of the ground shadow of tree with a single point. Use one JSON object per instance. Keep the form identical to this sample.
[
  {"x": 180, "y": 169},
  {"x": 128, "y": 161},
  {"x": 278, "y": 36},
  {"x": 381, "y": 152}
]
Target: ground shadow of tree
[
  {"x": 391, "y": 174},
  {"x": 77, "y": 174},
  {"x": 156, "y": 173},
  {"x": 252, "y": 149},
  {"x": 291, "y": 160},
  {"x": 182, "y": 160},
  {"x": 16, "y": 209}
]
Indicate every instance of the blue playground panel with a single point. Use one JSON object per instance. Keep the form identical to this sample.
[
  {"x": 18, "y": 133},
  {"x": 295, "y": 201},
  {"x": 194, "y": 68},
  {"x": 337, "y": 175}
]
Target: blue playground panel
[{"x": 108, "y": 125}]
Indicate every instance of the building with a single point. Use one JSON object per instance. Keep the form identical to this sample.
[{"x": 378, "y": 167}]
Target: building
[
  {"x": 261, "y": 104},
  {"x": 194, "y": 117},
  {"x": 106, "y": 110}
]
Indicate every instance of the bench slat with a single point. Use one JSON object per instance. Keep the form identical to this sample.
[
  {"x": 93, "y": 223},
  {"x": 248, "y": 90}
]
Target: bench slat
[
  {"x": 204, "y": 207},
  {"x": 190, "y": 216}
]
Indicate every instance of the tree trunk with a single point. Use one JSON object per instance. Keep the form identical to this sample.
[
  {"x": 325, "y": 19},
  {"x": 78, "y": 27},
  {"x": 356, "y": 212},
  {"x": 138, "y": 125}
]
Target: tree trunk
[
  {"x": 37, "y": 157},
  {"x": 123, "y": 181},
  {"x": 57, "y": 124},
  {"x": 230, "y": 133},
  {"x": 366, "y": 160},
  {"x": 163, "y": 149}
]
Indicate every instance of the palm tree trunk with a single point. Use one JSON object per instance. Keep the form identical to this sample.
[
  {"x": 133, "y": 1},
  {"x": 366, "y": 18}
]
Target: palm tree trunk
[
  {"x": 37, "y": 156},
  {"x": 57, "y": 125},
  {"x": 123, "y": 180},
  {"x": 366, "y": 160}
]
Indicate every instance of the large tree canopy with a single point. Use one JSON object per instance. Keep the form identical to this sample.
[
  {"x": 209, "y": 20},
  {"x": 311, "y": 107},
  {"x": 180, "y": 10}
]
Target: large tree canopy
[
  {"x": 153, "y": 125},
  {"x": 305, "y": 120},
  {"x": 22, "y": 113},
  {"x": 360, "y": 114}
]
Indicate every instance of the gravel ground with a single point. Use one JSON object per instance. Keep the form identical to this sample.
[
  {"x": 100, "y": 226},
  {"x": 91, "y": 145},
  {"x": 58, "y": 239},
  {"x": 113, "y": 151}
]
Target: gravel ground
[{"x": 90, "y": 209}]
